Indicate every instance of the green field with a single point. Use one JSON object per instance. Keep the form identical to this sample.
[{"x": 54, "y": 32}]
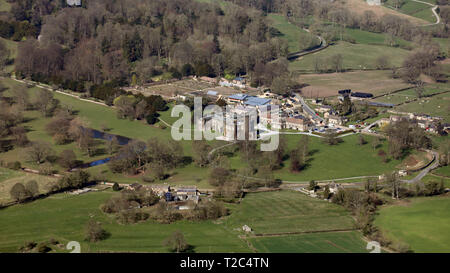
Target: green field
[
  {"x": 64, "y": 216},
  {"x": 372, "y": 38},
  {"x": 291, "y": 33},
  {"x": 411, "y": 94},
  {"x": 419, "y": 10},
  {"x": 347, "y": 159},
  {"x": 288, "y": 211},
  {"x": 443, "y": 171},
  {"x": 8, "y": 178},
  {"x": 423, "y": 223},
  {"x": 355, "y": 56},
  {"x": 325, "y": 242},
  {"x": 438, "y": 105}
]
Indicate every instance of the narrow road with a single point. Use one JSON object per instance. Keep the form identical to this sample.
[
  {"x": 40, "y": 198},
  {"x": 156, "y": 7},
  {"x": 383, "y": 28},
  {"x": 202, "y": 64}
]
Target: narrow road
[
  {"x": 323, "y": 44},
  {"x": 308, "y": 109},
  {"x": 435, "y": 7}
]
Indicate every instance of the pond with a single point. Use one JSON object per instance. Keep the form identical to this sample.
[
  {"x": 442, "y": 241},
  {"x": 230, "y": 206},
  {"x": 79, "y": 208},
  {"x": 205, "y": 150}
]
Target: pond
[{"x": 105, "y": 136}]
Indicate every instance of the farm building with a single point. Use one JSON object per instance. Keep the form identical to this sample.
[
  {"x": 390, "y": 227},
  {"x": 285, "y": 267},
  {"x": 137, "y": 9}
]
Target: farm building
[
  {"x": 74, "y": 3},
  {"x": 361, "y": 95},
  {"x": 380, "y": 104},
  {"x": 344, "y": 93}
]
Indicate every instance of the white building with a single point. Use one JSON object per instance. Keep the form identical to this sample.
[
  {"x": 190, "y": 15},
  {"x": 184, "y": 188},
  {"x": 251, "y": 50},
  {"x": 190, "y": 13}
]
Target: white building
[{"x": 374, "y": 2}]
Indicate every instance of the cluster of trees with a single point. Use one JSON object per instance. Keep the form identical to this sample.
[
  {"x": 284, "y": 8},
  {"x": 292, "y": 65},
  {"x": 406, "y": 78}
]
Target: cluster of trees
[
  {"x": 422, "y": 60},
  {"x": 403, "y": 136},
  {"x": 300, "y": 154},
  {"x": 355, "y": 112},
  {"x": 126, "y": 205},
  {"x": 361, "y": 204},
  {"x": 16, "y": 31},
  {"x": 260, "y": 164},
  {"x": 113, "y": 40},
  {"x": 140, "y": 107},
  {"x": 11, "y": 110},
  {"x": 20, "y": 192},
  {"x": 95, "y": 232},
  {"x": 177, "y": 243},
  {"x": 205, "y": 210},
  {"x": 444, "y": 153},
  {"x": 71, "y": 181},
  {"x": 155, "y": 158}
]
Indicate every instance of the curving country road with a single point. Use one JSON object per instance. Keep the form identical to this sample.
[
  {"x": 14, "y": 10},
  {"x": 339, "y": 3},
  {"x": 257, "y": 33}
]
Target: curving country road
[
  {"x": 435, "y": 7},
  {"x": 323, "y": 44}
]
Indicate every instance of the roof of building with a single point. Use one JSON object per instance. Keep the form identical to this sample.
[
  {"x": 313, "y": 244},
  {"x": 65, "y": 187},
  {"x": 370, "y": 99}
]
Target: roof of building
[
  {"x": 361, "y": 95},
  {"x": 255, "y": 101},
  {"x": 74, "y": 2},
  {"x": 239, "y": 79},
  {"x": 380, "y": 104},
  {"x": 238, "y": 96},
  {"x": 345, "y": 91},
  {"x": 212, "y": 93}
]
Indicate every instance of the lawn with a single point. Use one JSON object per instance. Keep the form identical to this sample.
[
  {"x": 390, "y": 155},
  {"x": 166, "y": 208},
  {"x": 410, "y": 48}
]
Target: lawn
[
  {"x": 423, "y": 223},
  {"x": 325, "y": 242},
  {"x": 355, "y": 56},
  {"x": 325, "y": 85},
  {"x": 64, "y": 217},
  {"x": 287, "y": 211},
  {"x": 347, "y": 159},
  {"x": 290, "y": 32},
  {"x": 8, "y": 178}
]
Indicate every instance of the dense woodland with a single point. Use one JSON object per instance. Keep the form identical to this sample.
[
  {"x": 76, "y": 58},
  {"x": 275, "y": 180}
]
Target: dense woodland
[{"x": 130, "y": 41}]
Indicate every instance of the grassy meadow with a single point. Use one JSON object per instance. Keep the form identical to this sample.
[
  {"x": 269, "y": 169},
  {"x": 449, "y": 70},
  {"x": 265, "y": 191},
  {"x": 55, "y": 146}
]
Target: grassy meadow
[
  {"x": 355, "y": 56},
  {"x": 422, "y": 223},
  {"x": 286, "y": 212},
  {"x": 63, "y": 217},
  {"x": 326, "y": 242},
  {"x": 8, "y": 178},
  {"x": 347, "y": 159},
  {"x": 290, "y": 32},
  {"x": 377, "y": 82},
  {"x": 415, "y": 9},
  {"x": 438, "y": 105}
]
